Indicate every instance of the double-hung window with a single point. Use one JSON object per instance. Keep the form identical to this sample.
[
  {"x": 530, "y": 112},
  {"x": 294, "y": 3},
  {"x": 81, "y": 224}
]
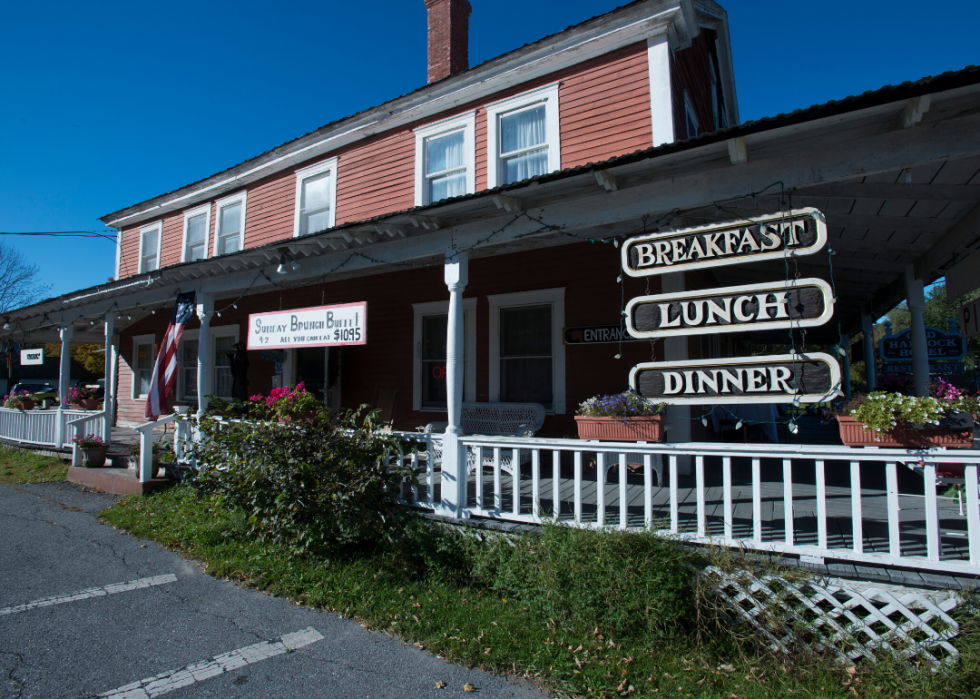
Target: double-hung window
[
  {"x": 690, "y": 117},
  {"x": 223, "y": 340},
  {"x": 523, "y": 136},
  {"x": 316, "y": 198},
  {"x": 150, "y": 247},
  {"x": 431, "y": 326},
  {"x": 527, "y": 357},
  {"x": 143, "y": 357},
  {"x": 230, "y": 224},
  {"x": 197, "y": 222},
  {"x": 444, "y": 159}
]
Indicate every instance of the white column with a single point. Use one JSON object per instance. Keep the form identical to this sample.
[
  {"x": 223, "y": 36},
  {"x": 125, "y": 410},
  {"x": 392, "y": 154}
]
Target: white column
[
  {"x": 868, "y": 328},
  {"x": 64, "y": 382},
  {"x": 845, "y": 372},
  {"x": 453, "y": 488},
  {"x": 661, "y": 99},
  {"x": 108, "y": 399},
  {"x": 676, "y": 349},
  {"x": 205, "y": 309},
  {"x": 920, "y": 350}
]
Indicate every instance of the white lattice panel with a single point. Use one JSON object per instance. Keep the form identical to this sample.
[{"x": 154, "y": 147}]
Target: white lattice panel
[{"x": 852, "y": 624}]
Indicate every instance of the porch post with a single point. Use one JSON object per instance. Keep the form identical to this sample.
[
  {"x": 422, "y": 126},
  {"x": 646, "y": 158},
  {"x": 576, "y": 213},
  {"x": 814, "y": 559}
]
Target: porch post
[
  {"x": 868, "y": 328},
  {"x": 920, "y": 350},
  {"x": 64, "y": 382},
  {"x": 453, "y": 487},
  {"x": 845, "y": 372},
  {"x": 109, "y": 398},
  {"x": 205, "y": 309}
]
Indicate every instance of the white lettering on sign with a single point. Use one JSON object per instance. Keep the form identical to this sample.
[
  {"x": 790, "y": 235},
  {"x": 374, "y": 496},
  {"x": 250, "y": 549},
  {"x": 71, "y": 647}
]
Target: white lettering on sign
[
  {"x": 324, "y": 326},
  {"x": 34, "y": 356}
]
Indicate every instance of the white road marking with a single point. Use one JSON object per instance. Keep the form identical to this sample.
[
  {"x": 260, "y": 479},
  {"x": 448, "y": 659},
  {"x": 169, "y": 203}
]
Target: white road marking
[
  {"x": 113, "y": 589},
  {"x": 218, "y": 665}
]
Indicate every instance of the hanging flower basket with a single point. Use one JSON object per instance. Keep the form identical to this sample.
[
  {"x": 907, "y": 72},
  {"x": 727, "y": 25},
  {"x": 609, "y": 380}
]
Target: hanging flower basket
[
  {"x": 646, "y": 428},
  {"x": 853, "y": 434}
]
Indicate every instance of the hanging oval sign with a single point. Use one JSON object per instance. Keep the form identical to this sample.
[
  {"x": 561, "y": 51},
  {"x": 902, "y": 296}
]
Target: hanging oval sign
[
  {"x": 784, "y": 378},
  {"x": 752, "y": 239},
  {"x": 799, "y": 303}
]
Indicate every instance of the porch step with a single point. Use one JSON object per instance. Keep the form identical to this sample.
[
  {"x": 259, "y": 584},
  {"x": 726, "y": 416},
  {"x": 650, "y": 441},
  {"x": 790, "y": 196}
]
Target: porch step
[{"x": 112, "y": 479}]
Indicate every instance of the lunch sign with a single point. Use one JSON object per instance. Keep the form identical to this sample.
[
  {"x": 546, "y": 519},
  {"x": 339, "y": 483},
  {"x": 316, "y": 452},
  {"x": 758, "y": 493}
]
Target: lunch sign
[
  {"x": 323, "y": 326},
  {"x": 795, "y": 303}
]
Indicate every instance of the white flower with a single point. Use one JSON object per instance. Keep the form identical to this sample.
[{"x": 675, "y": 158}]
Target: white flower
[{"x": 853, "y": 411}]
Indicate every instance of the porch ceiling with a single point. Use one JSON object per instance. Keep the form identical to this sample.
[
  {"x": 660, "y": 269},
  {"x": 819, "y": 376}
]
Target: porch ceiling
[{"x": 850, "y": 163}]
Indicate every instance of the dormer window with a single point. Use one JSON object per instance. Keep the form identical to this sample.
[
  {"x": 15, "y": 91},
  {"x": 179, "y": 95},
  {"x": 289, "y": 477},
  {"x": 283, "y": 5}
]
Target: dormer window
[
  {"x": 230, "y": 225},
  {"x": 150, "y": 247},
  {"x": 197, "y": 222},
  {"x": 522, "y": 136},
  {"x": 690, "y": 117},
  {"x": 444, "y": 159},
  {"x": 316, "y": 198}
]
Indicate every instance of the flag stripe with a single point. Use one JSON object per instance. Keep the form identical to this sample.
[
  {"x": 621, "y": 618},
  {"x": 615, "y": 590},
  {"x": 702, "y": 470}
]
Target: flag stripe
[{"x": 164, "y": 377}]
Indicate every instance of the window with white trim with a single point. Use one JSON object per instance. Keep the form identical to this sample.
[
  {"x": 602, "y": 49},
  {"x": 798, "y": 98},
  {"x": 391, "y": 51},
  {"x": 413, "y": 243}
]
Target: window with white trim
[
  {"x": 143, "y": 358},
  {"x": 223, "y": 340},
  {"x": 429, "y": 380},
  {"x": 197, "y": 223},
  {"x": 229, "y": 228},
  {"x": 316, "y": 198},
  {"x": 523, "y": 136},
  {"x": 150, "y": 247},
  {"x": 690, "y": 117},
  {"x": 444, "y": 159},
  {"x": 527, "y": 357}
]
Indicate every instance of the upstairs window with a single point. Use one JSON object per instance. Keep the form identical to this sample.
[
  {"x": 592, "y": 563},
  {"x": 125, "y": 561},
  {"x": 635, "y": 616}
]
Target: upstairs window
[
  {"x": 444, "y": 159},
  {"x": 197, "y": 222},
  {"x": 690, "y": 117},
  {"x": 230, "y": 225},
  {"x": 150, "y": 248},
  {"x": 522, "y": 135},
  {"x": 316, "y": 198}
]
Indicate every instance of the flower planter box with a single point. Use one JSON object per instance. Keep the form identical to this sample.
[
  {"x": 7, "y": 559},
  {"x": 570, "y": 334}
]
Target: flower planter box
[
  {"x": 94, "y": 457},
  {"x": 647, "y": 428},
  {"x": 853, "y": 434}
]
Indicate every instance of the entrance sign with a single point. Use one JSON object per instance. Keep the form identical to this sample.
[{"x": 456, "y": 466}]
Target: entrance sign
[
  {"x": 753, "y": 239},
  {"x": 784, "y": 378},
  {"x": 970, "y": 318},
  {"x": 33, "y": 356},
  {"x": 323, "y": 326},
  {"x": 801, "y": 303},
  {"x": 596, "y": 334},
  {"x": 941, "y": 345}
]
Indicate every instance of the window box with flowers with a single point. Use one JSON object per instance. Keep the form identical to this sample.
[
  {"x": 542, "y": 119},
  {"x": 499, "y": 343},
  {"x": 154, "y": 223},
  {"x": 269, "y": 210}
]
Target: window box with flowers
[
  {"x": 94, "y": 450},
  {"x": 83, "y": 398},
  {"x": 892, "y": 419},
  {"x": 624, "y": 417},
  {"x": 21, "y": 400}
]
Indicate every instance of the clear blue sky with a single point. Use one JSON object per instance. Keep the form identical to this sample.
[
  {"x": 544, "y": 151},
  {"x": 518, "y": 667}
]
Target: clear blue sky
[{"x": 106, "y": 104}]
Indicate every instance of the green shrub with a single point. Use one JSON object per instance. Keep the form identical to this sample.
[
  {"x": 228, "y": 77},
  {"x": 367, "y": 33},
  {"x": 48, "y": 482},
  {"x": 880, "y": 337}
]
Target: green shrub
[{"x": 323, "y": 488}]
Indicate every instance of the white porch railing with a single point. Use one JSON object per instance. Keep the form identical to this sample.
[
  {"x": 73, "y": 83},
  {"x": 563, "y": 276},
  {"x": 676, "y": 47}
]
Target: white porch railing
[
  {"x": 818, "y": 502},
  {"x": 51, "y": 428}
]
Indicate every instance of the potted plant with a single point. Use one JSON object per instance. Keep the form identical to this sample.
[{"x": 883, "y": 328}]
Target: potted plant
[
  {"x": 161, "y": 453},
  {"x": 624, "y": 417},
  {"x": 94, "y": 450},
  {"x": 893, "y": 419},
  {"x": 83, "y": 398},
  {"x": 294, "y": 404},
  {"x": 20, "y": 400}
]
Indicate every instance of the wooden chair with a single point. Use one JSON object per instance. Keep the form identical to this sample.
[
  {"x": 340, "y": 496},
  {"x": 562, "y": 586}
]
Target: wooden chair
[{"x": 386, "y": 401}]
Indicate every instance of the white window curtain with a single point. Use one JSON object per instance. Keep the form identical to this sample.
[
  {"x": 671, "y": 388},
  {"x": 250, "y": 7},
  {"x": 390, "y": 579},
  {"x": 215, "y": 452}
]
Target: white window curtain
[
  {"x": 446, "y": 166},
  {"x": 196, "y": 237},
  {"x": 151, "y": 241},
  {"x": 315, "y": 205},
  {"x": 229, "y": 228},
  {"x": 523, "y": 144}
]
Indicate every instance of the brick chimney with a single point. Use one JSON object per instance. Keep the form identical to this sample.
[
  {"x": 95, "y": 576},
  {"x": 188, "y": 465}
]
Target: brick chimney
[{"x": 449, "y": 37}]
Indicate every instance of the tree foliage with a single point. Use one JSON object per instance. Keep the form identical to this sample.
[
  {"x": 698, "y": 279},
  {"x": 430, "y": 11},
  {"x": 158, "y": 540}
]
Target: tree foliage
[
  {"x": 91, "y": 357},
  {"x": 20, "y": 282}
]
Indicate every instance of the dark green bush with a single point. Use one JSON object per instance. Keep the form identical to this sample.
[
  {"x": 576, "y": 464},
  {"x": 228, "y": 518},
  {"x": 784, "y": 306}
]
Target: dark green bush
[{"x": 324, "y": 488}]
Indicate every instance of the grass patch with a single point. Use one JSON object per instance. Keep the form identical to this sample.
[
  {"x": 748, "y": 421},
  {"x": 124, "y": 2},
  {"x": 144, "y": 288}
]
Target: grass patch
[
  {"x": 587, "y": 614},
  {"x": 25, "y": 466}
]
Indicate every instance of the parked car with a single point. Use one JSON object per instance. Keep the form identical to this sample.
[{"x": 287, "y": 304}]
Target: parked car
[{"x": 43, "y": 393}]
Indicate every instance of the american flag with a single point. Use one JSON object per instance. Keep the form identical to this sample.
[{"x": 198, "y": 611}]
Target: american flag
[{"x": 165, "y": 370}]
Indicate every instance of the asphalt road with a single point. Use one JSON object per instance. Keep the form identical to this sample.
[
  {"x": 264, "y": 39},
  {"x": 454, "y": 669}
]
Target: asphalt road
[{"x": 71, "y": 627}]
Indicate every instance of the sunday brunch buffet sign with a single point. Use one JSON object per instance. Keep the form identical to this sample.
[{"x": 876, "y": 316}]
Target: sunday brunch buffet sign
[
  {"x": 323, "y": 326},
  {"x": 797, "y": 303}
]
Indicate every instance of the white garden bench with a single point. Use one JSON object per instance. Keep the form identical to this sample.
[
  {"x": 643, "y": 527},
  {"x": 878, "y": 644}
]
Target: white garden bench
[{"x": 493, "y": 420}]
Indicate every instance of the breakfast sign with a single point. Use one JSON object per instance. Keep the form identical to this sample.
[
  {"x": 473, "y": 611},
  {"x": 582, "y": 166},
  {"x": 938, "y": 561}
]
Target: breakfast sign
[
  {"x": 795, "y": 303},
  {"x": 323, "y": 326}
]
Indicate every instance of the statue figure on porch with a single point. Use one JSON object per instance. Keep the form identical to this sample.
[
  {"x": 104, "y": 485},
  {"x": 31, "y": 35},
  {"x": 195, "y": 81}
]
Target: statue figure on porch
[{"x": 239, "y": 372}]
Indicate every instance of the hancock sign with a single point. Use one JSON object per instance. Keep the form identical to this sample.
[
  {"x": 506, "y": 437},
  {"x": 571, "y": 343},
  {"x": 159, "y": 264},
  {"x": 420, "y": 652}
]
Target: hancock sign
[
  {"x": 323, "y": 326},
  {"x": 784, "y": 378},
  {"x": 799, "y": 303},
  {"x": 753, "y": 239}
]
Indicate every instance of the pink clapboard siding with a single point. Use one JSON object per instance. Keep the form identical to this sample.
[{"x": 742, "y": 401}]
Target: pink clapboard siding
[{"x": 604, "y": 111}]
